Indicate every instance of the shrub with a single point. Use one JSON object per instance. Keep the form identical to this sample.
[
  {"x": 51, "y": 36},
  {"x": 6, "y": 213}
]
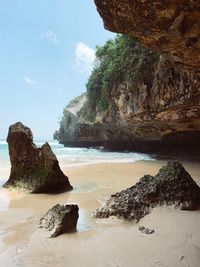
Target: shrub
[{"x": 120, "y": 60}]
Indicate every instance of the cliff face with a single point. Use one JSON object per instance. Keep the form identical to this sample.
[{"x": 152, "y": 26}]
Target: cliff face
[
  {"x": 171, "y": 27},
  {"x": 160, "y": 112},
  {"x": 168, "y": 94},
  {"x": 74, "y": 131}
]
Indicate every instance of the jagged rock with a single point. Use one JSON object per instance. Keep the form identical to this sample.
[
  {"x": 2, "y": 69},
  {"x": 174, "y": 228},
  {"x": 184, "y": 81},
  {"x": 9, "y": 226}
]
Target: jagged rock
[
  {"x": 171, "y": 186},
  {"x": 33, "y": 169},
  {"x": 170, "y": 27},
  {"x": 60, "y": 219}
]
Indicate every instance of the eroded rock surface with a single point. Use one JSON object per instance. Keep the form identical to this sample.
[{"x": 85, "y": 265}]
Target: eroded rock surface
[
  {"x": 171, "y": 186},
  {"x": 33, "y": 169},
  {"x": 170, "y": 27},
  {"x": 163, "y": 110},
  {"x": 60, "y": 219},
  {"x": 158, "y": 112}
]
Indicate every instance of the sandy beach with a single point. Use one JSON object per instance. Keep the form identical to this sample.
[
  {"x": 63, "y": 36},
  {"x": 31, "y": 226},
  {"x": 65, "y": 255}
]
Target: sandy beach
[{"x": 98, "y": 242}]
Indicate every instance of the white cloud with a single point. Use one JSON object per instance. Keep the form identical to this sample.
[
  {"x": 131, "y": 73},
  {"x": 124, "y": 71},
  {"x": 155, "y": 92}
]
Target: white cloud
[
  {"x": 51, "y": 36},
  {"x": 29, "y": 80},
  {"x": 84, "y": 58}
]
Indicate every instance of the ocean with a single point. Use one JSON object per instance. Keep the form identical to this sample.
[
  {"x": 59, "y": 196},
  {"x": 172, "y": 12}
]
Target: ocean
[{"x": 77, "y": 156}]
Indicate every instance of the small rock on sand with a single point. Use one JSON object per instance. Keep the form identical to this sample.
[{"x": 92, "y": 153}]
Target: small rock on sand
[
  {"x": 145, "y": 230},
  {"x": 60, "y": 219}
]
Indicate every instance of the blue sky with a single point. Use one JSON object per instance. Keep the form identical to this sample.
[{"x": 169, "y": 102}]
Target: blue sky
[{"x": 46, "y": 55}]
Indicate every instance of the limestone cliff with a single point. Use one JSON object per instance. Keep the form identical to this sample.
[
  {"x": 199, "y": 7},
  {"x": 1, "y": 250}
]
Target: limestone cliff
[
  {"x": 159, "y": 110},
  {"x": 74, "y": 130},
  {"x": 171, "y": 27}
]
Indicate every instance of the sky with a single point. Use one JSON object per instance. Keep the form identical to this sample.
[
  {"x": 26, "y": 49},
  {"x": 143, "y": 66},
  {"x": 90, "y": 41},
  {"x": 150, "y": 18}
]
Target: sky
[{"x": 47, "y": 50}]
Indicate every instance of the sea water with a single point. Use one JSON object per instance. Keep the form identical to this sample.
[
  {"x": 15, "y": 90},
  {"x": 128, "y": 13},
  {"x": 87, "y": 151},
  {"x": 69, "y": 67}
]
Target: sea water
[
  {"x": 67, "y": 156},
  {"x": 4, "y": 156},
  {"x": 77, "y": 156}
]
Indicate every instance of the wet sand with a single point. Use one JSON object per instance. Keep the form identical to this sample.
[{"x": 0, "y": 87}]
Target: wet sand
[{"x": 98, "y": 242}]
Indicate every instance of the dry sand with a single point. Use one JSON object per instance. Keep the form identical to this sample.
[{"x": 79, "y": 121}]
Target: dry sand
[{"x": 98, "y": 242}]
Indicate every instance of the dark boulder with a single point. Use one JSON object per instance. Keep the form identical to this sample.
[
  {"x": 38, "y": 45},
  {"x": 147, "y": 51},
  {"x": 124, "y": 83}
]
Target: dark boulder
[
  {"x": 145, "y": 230},
  {"x": 33, "y": 169},
  {"x": 60, "y": 219},
  {"x": 171, "y": 186}
]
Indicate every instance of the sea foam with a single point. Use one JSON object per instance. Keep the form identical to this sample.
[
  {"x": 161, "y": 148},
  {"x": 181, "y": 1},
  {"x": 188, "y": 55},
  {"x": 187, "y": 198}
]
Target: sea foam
[{"x": 79, "y": 156}]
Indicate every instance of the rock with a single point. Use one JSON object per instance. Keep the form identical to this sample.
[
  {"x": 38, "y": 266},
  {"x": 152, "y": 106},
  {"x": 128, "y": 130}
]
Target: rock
[
  {"x": 158, "y": 113},
  {"x": 161, "y": 114},
  {"x": 73, "y": 131},
  {"x": 33, "y": 169},
  {"x": 146, "y": 231},
  {"x": 60, "y": 219},
  {"x": 170, "y": 27},
  {"x": 79, "y": 135},
  {"x": 171, "y": 186}
]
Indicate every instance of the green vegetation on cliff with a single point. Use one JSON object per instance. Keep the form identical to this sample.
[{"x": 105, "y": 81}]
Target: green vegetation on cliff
[{"x": 121, "y": 60}]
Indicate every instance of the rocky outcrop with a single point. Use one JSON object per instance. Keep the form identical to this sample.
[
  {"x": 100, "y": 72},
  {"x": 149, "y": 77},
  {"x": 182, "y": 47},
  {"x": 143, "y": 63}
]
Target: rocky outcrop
[
  {"x": 74, "y": 131},
  {"x": 60, "y": 219},
  {"x": 81, "y": 135},
  {"x": 170, "y": 27},
  {"x": 171, "y": 186},
  {"x": 160, "y": 112},
  {"x": 33, "y": 169},
  {"x": 160, "y": 115}
]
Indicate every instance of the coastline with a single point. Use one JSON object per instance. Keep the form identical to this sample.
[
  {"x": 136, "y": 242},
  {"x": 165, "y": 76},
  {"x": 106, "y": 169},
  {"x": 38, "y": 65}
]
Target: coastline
[{"x": 99, "y": 242}]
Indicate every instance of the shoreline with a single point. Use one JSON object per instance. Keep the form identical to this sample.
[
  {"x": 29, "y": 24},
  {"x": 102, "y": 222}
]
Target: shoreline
[{"x": 176, "y": 241}]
